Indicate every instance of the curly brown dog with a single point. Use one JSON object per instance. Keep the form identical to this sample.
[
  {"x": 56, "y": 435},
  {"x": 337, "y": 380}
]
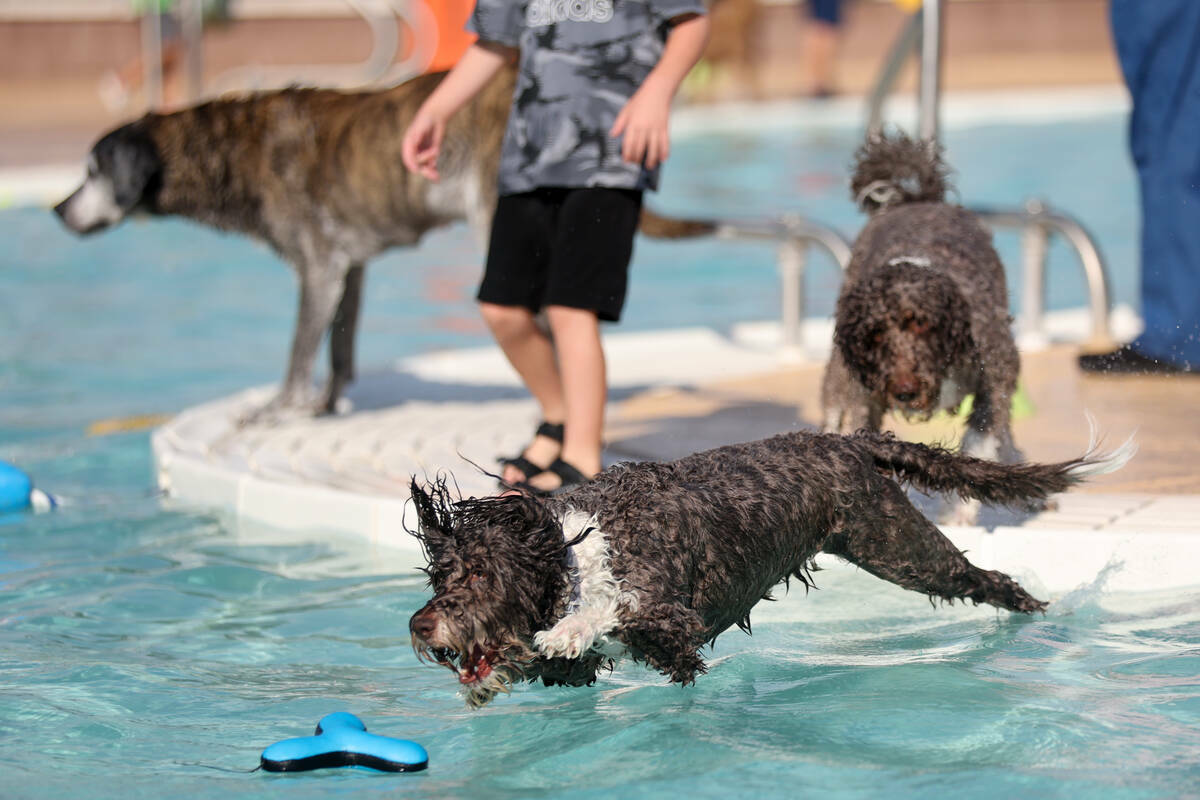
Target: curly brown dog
[
  {"x": 654, "y": 560},
  {"x": 922, "y": 318}
]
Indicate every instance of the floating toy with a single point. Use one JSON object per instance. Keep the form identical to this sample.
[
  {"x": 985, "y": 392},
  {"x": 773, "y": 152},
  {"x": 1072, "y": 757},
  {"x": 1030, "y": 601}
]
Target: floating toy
[
  {"x": 17, "y": 492},
  {"x": 342, "y": 740}
]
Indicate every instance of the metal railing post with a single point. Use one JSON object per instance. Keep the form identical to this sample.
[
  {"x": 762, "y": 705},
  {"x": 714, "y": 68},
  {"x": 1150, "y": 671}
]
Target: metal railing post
[
  {"x": 795, "y": 234},
  {"x": 152, "y": 82},
  {"x": 192, "y": 30},
  {"x": 1035, "y": 244},
  {"x": 908, "y": 42},
  {"x": 930, "y": 89},
  {"x": 792, "y": 259}
]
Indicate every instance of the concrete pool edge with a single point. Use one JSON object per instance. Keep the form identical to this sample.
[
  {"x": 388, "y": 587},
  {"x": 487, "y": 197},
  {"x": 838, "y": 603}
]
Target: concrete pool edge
[{"x": 348, "y": 474}]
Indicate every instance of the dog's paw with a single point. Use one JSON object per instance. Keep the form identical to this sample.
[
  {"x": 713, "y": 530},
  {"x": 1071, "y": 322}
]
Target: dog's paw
[
  {"x": 281, "y": 409},
  {"x": 571, "y": 637}
]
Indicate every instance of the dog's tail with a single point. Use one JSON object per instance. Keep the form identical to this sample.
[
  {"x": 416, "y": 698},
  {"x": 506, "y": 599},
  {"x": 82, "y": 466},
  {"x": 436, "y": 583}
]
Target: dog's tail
[
  {"x": 935, "y": 469},
  {"x": 657, "y": 226},
  {"x": 892, "y": 169}
]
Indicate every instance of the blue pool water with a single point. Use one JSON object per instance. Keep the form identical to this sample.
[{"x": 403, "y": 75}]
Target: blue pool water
[{"x": 147, "y": 652}]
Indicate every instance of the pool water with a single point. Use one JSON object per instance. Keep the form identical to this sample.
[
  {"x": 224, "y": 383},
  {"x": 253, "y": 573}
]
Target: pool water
[
  {"x": 156, "y": 655},
  {"x": 148, "y": 652}
]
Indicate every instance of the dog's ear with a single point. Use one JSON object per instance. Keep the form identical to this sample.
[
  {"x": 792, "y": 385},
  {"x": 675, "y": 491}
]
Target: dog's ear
[
  {"x": 962, "y": 341},
  {"x": 854, "y": 331},
  {"x": 954, "y": 323},
  {"x": 433, "y": 515}
]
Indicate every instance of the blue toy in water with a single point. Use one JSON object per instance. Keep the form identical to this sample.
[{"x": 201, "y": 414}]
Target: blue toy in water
[
  {"x": 342, "y": 740},
  {"x": 17, "y": 492}
]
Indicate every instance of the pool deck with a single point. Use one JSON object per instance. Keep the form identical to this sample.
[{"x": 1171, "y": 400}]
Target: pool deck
[{"x": 677, "y": 392}]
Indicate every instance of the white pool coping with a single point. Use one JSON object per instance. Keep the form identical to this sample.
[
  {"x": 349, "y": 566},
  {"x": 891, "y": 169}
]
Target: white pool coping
[{"x": 438, "y": 414}]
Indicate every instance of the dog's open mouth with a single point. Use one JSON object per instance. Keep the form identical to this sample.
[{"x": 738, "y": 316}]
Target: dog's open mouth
[
  {"x": 920, "y": 411},
  {"x": 472, "y": 667}
]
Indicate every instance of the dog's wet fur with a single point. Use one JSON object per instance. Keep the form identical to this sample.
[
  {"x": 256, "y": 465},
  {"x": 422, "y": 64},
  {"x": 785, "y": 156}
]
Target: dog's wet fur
[
  {"x": 681, "y": 551},
  {"x": 316, "y": 174},
  {"x": 922, "y": 317}
]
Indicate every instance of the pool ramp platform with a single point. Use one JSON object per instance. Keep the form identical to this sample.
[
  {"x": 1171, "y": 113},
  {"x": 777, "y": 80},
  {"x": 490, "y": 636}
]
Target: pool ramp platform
[{"x": 676, "y": 392}]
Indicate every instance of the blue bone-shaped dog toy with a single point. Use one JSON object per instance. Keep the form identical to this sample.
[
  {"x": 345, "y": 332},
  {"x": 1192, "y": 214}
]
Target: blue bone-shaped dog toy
[{"x": 342, "y": 740}]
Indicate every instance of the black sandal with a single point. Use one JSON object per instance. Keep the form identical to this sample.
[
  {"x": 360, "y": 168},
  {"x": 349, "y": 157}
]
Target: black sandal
[
  {"x": 570, "y": 476},
  {"x": 552, "y": 431}
]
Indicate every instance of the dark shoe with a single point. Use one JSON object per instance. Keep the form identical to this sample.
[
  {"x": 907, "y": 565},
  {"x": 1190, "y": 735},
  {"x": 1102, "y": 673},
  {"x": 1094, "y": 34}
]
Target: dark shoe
[
  {"x": 1127, "y": 361},
  {"x": 569, "y": 475},
  {"x": 552, "y": 431}
]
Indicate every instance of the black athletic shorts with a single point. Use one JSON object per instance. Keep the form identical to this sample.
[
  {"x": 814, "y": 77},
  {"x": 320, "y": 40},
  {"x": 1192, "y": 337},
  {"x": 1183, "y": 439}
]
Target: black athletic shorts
[{"x": 562, "y": 247}]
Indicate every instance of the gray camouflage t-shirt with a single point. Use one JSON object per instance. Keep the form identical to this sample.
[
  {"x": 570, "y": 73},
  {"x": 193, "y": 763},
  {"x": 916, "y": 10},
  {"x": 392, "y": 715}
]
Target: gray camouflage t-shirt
[{"x": 581, "y": 60}]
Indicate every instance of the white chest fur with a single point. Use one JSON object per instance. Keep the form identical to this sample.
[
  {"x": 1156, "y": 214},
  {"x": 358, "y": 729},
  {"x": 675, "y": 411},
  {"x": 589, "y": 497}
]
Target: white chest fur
[{"x": 597, "y": 598}]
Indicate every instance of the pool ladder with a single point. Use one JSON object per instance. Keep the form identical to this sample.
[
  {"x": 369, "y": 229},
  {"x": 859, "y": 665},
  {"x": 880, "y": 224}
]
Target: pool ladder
[
  {"x": 380, "y": 68},
  {"x": 1036, "y": 221}
]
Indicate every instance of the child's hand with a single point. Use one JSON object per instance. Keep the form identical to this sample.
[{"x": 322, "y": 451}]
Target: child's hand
[
  {"x": 422, "y": 143},
  {"x": 643, "y": 120}
]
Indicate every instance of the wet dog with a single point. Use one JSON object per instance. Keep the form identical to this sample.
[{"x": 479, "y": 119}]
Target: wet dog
[
  {"x": 922, "y": 317},
  {"x": 654, "y": 560},
  {"x": 317, "y": 175}
]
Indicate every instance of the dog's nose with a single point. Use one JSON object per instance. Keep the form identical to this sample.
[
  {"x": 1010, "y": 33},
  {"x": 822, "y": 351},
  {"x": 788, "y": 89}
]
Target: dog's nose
[{"x": 422, "y": 624}]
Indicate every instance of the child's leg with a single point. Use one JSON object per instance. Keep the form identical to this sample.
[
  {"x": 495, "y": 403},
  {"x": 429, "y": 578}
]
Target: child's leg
[
  {"x": 584, "y": 390},
  {"x": 512, "y": 287},
  {"x": 531, "y": 353},
  {"x": 586, "y": 283}
]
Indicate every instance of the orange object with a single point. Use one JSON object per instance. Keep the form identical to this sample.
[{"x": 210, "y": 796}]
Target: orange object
[{"x": 452, "y": 39}]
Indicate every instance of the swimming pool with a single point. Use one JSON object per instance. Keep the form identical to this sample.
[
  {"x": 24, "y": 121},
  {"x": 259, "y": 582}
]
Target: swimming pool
[{"x": 143, "y": 651}]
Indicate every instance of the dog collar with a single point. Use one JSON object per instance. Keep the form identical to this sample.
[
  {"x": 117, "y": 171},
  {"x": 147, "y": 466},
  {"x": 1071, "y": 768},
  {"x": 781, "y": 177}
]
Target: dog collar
[
  {"x": 881, "y": 193},
  {"x": 915, "y": 261}
]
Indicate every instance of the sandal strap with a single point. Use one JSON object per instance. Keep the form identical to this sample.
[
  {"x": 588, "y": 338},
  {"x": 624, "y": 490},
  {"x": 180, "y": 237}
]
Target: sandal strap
[
  {"x": 568, "y": 473},
  {"x": 570, "y": 476},
  {"x": 551, "y": 430},
  {"x": 527, "y": 467}
]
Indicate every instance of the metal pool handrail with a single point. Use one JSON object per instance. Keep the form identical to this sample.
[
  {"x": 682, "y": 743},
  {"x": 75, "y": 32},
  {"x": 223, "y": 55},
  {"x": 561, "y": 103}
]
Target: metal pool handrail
[
  {"x": 795, "y": 234},
  {"x": 1037, "y": 222},
  {"x": 379, "y": 67}
]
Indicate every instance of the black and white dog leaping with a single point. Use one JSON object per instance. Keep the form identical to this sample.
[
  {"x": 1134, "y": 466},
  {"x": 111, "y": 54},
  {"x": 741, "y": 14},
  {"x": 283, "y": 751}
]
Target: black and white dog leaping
[{"x": 654, "y": 560}]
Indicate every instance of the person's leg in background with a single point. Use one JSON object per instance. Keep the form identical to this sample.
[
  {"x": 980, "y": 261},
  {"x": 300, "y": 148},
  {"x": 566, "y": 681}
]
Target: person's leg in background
[
  {"x": 587, "y": 282},
  {"x": 1158, "y": 44},
  {"x": 822, "y": 34},
  {"x": 510, "y": 294},
  {"x": 531, "y": 353},
  {"x": 585, "y": 394}
]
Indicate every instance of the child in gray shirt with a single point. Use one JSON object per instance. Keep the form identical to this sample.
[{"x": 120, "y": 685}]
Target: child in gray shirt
[{"x": 587, "y": 133}]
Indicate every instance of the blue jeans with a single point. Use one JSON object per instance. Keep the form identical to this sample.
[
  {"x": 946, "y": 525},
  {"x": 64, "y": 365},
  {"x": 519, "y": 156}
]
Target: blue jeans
[{"x": 1158, "y": 44}]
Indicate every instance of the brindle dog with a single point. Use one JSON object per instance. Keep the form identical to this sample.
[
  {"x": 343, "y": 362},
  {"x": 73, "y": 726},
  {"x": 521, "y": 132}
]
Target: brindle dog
[{"x": 317, "y": 175}]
